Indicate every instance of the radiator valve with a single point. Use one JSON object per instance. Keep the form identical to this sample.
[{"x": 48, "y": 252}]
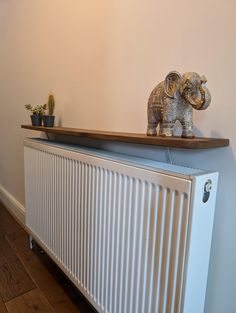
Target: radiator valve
[{"x": 207, "y": 190}]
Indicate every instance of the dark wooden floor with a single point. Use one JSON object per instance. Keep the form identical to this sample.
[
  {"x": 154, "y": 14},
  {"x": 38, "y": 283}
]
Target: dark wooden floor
[{"x": 29, "y": 280}]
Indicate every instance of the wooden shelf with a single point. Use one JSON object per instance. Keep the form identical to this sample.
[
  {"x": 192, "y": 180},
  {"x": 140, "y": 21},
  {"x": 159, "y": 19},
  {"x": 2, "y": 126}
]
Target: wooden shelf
[{"x": 172, "y": 142}]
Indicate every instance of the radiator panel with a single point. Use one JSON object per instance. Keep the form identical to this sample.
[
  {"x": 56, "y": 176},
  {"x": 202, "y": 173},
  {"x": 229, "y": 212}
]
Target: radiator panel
[{"x": 119, "y": 232}]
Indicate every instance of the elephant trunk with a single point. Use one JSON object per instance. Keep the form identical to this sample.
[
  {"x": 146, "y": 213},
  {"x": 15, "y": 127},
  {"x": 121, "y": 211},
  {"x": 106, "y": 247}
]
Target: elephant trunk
[
  {"x": 196, "y": 102},
  {"x": 200, "y": 102}
]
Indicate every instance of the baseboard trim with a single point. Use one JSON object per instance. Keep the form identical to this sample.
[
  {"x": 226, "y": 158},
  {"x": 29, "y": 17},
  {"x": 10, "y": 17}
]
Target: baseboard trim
[{"x": 12, "y": 205}]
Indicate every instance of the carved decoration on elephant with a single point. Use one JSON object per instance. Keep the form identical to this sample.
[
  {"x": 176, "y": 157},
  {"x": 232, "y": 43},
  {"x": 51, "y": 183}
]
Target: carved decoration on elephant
[{"x": 174, "y": 100}]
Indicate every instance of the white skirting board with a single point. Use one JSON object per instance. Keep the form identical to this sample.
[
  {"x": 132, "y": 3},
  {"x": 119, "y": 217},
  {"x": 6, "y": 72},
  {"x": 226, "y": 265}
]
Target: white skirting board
[{"x": 12, "y": 205}]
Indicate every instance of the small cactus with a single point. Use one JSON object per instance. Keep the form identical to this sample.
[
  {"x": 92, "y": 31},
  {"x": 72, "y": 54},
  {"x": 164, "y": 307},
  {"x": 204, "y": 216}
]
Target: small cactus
[{"x": 51, "y": 104}]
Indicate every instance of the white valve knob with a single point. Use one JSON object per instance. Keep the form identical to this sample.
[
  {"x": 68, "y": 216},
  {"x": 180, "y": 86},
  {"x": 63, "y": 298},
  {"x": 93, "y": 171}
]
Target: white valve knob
[
  {"x": 206, "y": 191},
  {"x": 208, "y": 186}
]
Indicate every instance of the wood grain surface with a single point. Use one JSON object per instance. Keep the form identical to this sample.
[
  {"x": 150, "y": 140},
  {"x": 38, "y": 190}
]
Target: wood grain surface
[
  {"x": 174, "y": 142},
  {"x": 50, "y": 283},
  {"x": 2, "y": 307},
  {"x": 14, "y": 280},
  {"x": 30, "y": 302}
]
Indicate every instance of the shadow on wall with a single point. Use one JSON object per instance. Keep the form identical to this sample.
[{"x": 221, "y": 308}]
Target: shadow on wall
[{"x": 223, "y": 257}]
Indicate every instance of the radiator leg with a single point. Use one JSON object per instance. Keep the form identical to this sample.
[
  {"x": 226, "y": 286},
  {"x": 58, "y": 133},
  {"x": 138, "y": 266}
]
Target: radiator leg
[{"x": 31, "y": 242}]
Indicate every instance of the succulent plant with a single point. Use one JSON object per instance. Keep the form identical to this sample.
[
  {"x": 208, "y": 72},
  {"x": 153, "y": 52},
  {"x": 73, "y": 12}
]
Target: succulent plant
[
  {"x": 51, "y": 104},
  {"x": 37, "y": 110}
]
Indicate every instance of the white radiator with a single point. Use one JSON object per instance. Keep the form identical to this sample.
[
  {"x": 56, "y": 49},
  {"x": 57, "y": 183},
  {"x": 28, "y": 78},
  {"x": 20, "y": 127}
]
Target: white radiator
[{"x": 133, "y": 235}]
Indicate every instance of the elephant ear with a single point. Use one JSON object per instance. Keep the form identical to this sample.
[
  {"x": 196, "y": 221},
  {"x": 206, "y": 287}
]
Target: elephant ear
[{"x": 171, "y": 83}]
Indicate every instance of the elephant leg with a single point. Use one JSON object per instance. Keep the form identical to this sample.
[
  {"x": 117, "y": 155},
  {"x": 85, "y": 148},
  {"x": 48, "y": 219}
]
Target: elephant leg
[
  {"x": 166, "y": 128},
  {"x": 187, "y": 129},
  {"x": 152, "y": 122}
]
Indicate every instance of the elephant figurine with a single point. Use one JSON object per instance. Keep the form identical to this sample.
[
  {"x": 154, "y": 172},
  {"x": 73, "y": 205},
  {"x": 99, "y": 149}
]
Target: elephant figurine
[{"x": 174, "y": 99}]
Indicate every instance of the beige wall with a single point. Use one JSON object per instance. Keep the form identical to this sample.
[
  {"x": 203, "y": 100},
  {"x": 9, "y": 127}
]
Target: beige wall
[{"x": 101, "y": 59}]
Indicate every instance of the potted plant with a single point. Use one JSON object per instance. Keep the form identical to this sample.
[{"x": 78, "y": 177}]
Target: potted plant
[
  {"x": 37, "y": 113},
  {"x": 48, "y": 120}
]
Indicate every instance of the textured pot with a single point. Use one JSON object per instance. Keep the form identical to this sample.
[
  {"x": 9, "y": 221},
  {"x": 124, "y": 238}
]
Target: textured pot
[
  {"x": 48, "y": 120},
  {"x": 36, "y": 120}
]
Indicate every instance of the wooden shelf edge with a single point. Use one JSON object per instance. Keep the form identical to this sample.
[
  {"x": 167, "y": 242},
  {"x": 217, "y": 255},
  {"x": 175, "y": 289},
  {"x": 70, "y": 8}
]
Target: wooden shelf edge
[{"x": 172, "y": 142}]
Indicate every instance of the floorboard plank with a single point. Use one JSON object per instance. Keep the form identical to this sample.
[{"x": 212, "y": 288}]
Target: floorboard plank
[
  {"x": 52, "y": 286},
  {"x": 62, "y": 296},
  {"x": 59, "y": 292},
  {"x": 7, "y": 255},
  {"x": 30, "y": 302},
  {"x": 14, "y": 280},
  {"x": 2, "y": 307}
]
